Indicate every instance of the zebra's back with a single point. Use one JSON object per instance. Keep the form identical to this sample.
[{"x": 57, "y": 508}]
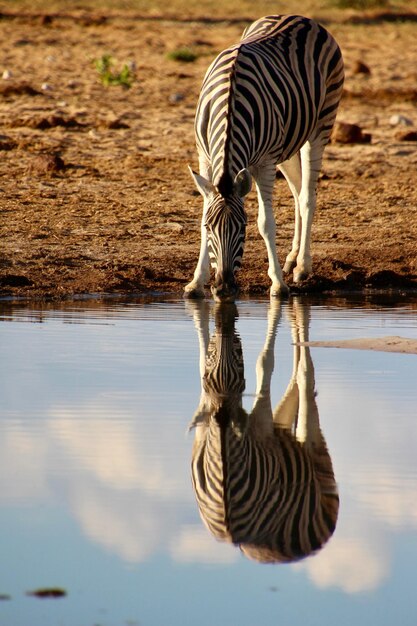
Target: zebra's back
[
  {"x": 264, "y": 97},
  {"x": 276, "y": 498}
]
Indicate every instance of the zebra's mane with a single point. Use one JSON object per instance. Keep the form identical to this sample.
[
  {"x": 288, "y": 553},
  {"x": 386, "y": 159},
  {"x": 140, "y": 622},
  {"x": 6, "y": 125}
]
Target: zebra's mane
[{"x": 224, "y": 182}]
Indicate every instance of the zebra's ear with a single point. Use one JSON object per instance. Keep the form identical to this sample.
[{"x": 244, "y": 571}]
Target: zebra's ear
[
  {"x": 242, "y": 183},
  {"x": 204, "y": 186}
]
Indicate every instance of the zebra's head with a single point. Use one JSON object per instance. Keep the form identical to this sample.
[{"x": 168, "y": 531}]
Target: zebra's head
[{"x": 225, "y": 222}]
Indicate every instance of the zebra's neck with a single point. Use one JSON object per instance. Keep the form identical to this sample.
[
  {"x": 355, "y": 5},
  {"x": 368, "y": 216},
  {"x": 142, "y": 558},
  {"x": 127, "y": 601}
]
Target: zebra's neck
[{"x": 228, "y": 144}]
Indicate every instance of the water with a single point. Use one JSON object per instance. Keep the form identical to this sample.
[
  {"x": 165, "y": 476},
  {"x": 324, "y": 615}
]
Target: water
[{"x": 96, "y": 497}]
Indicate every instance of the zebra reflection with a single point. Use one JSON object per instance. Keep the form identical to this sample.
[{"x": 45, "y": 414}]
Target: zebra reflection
[{"x": 264, "y": 480}]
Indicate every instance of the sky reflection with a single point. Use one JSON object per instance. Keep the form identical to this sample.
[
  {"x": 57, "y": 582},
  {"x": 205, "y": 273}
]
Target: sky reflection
[{"x": 94, "y": 450}]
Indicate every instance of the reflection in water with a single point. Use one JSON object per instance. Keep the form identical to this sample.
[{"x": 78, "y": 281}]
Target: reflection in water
[
  {"x": 263, "y": 480},
  {"x": 94, "y": 496}
]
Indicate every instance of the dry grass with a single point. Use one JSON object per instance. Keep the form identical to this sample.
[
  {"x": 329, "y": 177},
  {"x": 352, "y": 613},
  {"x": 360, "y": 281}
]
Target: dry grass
[{"x": 209, "y": 9}]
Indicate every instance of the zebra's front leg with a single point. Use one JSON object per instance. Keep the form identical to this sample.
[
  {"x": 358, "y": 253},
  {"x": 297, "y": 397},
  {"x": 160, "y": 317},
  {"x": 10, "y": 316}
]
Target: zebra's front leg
[
  {"x": 265, "y": 178},
  {"x": 200, "y": 312},
  {"x": 311, "y": 158},
  {"x": 195, "y": 289}
]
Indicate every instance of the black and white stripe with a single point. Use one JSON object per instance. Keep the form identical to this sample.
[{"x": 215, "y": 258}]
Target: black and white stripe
[
  {"x": 263, "y": 481},
  {"x": 226, "y": 241},
  {"x": 277, "y": 501},
  {"x": 262, "y": 101}
]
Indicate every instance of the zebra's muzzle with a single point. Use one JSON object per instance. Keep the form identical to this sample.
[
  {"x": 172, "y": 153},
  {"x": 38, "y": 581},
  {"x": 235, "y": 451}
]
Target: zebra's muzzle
[{"x": 225, "y": 288}]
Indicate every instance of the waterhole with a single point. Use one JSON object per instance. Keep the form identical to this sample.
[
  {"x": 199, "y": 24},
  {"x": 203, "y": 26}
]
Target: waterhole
[{"x": 174, "y": 463}]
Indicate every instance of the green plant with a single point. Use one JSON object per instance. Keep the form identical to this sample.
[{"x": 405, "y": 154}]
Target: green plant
[
  {"x": 108, "y": 76},
  {"x": 185, "y": 55}
]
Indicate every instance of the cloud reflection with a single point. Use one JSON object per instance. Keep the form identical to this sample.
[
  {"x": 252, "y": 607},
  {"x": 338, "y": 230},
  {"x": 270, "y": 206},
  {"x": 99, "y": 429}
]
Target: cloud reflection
[
  {"x": 194, "y": 545},
  {"x": 354, "y": 564},
  {"x": 121, "y": 469}
]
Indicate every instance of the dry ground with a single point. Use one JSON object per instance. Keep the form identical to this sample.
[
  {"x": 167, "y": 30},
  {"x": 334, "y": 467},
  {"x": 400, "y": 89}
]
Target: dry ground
[{"x": 117, "y": 211}]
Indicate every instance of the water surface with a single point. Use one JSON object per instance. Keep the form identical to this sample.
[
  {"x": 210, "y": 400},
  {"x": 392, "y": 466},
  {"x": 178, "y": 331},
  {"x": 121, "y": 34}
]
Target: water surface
[{"x": 96, "y": 497}]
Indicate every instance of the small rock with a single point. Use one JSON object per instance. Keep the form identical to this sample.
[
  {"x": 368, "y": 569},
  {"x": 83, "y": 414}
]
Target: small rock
[
  {"x": 174, "y": 226},
  {"x": 18, "y": 89},
  {"x": 47, "y": 164},
  {"x": 114, "y": 123},
  {"x": 73, "y": 84},
  {"x": 46, "y": 87},
  {"x": 360, "y": 68},
  {"x": 53, "y": 592},
  {"x": 52, "y": 121},
  {"x": 6, "y": 143},
  {"x": 400, "y": 120},
  {"x": 174, "y": 98},
  {"x": 409, "y": 135},
  {"x": 45, "y": 20},
  {"x": 343, "y": 132},
  {"x": 7, "y": 75}
]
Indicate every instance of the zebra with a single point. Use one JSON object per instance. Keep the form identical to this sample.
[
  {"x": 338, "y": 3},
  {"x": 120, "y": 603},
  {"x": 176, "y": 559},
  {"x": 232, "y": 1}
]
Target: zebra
[
  {"x": 263, "y": 481},
  {"x": 268, "y": 101}
]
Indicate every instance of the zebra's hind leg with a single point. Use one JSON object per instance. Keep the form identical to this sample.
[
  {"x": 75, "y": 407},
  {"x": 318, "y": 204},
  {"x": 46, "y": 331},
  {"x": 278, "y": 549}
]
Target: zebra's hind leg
[
  {"x": 265, "y": 178},
  {"x": 311, "y": 158},
  {"x": 292, "y": 173}
]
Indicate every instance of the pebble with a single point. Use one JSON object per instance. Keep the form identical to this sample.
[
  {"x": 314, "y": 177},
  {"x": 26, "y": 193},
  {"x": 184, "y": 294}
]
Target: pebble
[
  {"x": 7, "y": 74},
  {"x": 47, "y": 164},
  {"x": 400, "y": 120},
  {"x": 73, "y": 84},
  {"x": 174, "y": 226},
  {"x": 408, "y": 135},
  {"x": 5, "y": 596},
  {"x": 359, "y": 67},
  {"x": 46, "y": 87},
  {"x": 174, "y": 98},
  {"x": 343, "y": 132}
]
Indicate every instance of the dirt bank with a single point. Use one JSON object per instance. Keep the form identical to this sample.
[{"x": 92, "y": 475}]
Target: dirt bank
[{"x": 95, "y": 192}]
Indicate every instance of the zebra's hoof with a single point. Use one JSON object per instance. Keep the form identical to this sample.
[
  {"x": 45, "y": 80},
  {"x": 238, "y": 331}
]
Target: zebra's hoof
[
  {"x": 299, "y": 277},
  {"x": 288, "y": 267},
  {"x": 194, "y": 293},
  {"x": 279, "y": 291}
]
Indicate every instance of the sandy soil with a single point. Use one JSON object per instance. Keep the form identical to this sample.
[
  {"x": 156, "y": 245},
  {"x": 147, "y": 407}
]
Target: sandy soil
[
  {"x": 401, "y": 345},
  {"x": 95, "y": 192}
]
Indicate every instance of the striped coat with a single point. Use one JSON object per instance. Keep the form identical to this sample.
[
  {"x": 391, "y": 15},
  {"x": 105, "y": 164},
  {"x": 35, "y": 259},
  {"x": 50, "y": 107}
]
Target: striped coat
[
  {"x": 263, "y": 481},
  {"x": 269, "y": 100}
]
